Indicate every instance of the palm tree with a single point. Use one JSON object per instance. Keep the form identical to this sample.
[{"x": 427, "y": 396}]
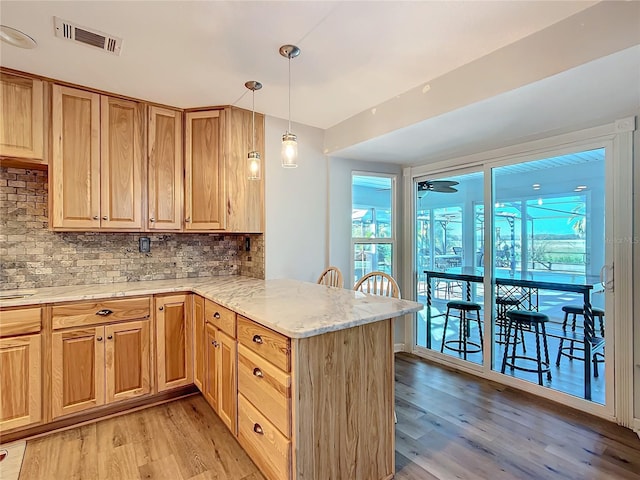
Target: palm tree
[{"x": 578, "y": 220}]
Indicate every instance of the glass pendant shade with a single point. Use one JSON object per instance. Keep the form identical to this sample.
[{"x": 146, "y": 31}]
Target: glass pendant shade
[
  {"x": 253, "y": 165},
  {"x": 289, "y": 150}
]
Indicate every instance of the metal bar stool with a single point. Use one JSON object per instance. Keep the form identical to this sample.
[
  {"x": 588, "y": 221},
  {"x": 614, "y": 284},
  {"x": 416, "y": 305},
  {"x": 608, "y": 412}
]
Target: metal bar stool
[
  {"x": 503, "y": 305},
  {"x": 596, "y": 342},
  {"x": 537, "y": 320},
  {"x": 462, "y": 344}
]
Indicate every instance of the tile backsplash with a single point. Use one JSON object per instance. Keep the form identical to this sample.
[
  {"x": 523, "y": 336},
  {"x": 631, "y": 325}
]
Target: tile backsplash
[{"x": 33, "y": 256}]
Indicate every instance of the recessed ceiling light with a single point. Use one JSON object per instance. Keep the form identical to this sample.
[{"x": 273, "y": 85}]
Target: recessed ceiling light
[
  {"x": 536, "y": 186},
  {"x": 582, "y": 187},
  {"x": 16, "y": 37}
]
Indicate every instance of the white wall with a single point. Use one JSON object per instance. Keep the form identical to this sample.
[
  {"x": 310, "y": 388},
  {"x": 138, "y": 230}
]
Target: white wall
[{"x": 296, "y": 204}]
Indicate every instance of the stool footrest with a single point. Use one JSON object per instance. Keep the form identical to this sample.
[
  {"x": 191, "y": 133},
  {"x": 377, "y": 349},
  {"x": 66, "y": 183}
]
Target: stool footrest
[
  {"x": 477, "y": 346},
  {"x": 545, "y": 365}
]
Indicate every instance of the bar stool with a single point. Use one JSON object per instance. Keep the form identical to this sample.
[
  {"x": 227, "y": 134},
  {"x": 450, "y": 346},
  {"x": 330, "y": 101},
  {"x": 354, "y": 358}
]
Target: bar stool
[
  {"x": 503, "y": 305},
  {"x": 463, "y": 332},
  {"x": 596, "y": 342},
  {"x": 537, "y": 320}
]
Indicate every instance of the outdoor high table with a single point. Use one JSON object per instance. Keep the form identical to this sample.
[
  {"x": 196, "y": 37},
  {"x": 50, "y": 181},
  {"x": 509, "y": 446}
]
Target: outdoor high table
[{"x": 530, "y": 281}]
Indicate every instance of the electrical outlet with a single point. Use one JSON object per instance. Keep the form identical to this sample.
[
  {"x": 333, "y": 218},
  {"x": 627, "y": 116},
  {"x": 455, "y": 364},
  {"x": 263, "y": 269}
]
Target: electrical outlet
[
  {"x": 144, "y": 244},
  {"x": 247, "y": 244}
]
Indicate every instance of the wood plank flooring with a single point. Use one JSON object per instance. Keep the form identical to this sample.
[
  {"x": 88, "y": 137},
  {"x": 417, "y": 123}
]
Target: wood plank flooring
[{"x": 450, "y": 425}]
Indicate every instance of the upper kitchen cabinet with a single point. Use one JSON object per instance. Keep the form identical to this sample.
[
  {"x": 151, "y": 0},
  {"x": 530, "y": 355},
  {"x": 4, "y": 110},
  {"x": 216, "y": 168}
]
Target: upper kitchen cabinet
[
  {"x": 164, "y": 179},
  {"x": 204, "y": 171},
  {"x": 244, "y": 197},
  {"x": 97, "y": 161},
  {"x": 22, "y": 120}
]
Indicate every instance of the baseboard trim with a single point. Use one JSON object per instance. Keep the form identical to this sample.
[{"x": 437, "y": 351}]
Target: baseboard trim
[
  {"x": 399, "y": 347},
  {"x": 97, "y": 414}
]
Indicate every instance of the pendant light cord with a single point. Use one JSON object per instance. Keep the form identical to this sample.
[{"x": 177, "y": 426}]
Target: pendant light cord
[
  {"x": 289, "y": 130},
  {"x": 253, "y": 121}
]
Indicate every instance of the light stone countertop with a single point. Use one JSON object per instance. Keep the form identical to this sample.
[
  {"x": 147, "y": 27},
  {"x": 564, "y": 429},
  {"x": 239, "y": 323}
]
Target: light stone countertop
[{"x": 294, "y": 308}]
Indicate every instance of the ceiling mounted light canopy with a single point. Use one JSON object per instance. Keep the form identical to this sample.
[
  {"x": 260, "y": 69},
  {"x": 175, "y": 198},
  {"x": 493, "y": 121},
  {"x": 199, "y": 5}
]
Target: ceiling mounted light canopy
[
  {"x": 253, "y": 158},
  {"x": 16, "y": 37},
  {"x": 289, "y": 140}
]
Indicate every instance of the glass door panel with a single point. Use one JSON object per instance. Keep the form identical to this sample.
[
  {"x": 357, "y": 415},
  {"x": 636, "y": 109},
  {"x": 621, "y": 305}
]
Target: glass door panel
[
  {"x": 447, "y": 239},
  {"x": 548, "y": 249}
]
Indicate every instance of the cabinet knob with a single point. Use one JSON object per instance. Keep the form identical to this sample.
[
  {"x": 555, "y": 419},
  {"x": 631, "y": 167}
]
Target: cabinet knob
[
  {"x": 258, "y": 429},
  {"x": 105, "y": 218},
  {"x": 216, "y": 315},
  {"x": 110, "y": 337},
  {"x": 99, "y": 339},
  {"x": 257, "y": 339},
  {"x": 161, "y": 308},
  {"x": 215, "y": 344},
  {"x": 188, "y": 219},
  {"x": 258, "y": 373},
  {"x": 96, "y": 217},
  {"x": 152, "y": 219}
]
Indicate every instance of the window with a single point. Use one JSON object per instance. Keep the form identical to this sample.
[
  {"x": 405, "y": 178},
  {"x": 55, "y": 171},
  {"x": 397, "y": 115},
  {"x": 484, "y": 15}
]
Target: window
[{"x": 372, "y": 224}]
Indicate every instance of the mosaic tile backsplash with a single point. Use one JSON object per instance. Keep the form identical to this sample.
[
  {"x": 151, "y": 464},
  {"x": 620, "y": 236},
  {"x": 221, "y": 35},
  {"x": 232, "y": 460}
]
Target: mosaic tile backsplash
[{"x": 32, "y": 256}]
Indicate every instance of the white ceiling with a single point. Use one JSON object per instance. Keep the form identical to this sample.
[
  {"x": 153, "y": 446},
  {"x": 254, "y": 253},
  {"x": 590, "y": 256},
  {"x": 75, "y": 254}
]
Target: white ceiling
[{"x": 355, "y": 55}]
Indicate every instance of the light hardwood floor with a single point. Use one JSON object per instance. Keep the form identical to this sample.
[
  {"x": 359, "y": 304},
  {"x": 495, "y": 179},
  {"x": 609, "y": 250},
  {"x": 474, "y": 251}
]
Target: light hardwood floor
[{"x": 450, "y": 425}]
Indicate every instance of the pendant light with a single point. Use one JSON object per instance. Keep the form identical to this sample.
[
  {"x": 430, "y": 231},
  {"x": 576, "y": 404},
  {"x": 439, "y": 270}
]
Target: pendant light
[
  {"x": 289, "y": 140},
  {"x": 253, "y": 158}
]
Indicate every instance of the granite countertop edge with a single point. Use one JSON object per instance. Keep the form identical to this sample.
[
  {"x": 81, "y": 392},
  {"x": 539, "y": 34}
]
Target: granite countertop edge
[{"x": 293, "y": 308}]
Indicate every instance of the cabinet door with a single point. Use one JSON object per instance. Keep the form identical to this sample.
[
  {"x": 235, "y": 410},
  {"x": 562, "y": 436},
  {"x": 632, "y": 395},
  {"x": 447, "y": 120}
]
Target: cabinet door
[
  {"x": 165, "y": 169},
  {"x": 198, "y": 327},
  {"x": 21, "y": 122},
  {"x": 21, "y": 385},
  {"x": 174, "y": 340},
  {"x": 77, "y": 374},
  {"x": 210, "y": 390},
  {"x": 127, "y": 357},
  {"x": 244, "y": 197},
  {"x": 204, "y": 171},
  {"x": 122, "y": 129},
  {"x": 75, "y": 165},
  {"x": 227, "y": 380}
]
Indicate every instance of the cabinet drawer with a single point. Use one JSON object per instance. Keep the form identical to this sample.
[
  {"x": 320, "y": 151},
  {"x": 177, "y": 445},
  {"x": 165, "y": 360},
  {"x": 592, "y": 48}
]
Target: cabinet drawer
[
  {"x": 100, "y": 311},
  {"x": 267, "y": 387},
  {"x": 266, "y": 446},
  {"x": 271, "y": 345},
  {"x": 221, "y": 317},
  {"x": 20, "y": 321}
]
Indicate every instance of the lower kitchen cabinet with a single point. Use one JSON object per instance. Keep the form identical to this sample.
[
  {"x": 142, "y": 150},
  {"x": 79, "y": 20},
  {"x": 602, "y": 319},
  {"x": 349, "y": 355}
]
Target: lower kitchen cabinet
[
  {"x": 174, "y": 341},
  {"x": 220, "y": 378},
  {"x": 97, "y": 365},
  {"x": 21, "y": 384}
]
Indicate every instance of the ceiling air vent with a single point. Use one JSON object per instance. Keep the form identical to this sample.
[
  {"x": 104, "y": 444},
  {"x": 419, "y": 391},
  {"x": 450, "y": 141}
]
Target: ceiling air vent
[{"x": 88, "y": 36}]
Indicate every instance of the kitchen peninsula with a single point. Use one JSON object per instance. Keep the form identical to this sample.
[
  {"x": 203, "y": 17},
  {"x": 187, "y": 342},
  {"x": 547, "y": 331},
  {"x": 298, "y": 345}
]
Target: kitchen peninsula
[{"x": 301, "y": 373}]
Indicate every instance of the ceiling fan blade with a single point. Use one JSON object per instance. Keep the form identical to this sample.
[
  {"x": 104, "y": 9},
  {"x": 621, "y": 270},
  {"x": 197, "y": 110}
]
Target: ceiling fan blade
[
  {"x": 443, "y": 189},
  {"x": 444, "y": 183}
]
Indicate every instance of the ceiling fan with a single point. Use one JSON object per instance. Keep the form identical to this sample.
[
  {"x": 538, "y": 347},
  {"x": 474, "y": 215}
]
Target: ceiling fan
[{"x": 441, "y": 186}]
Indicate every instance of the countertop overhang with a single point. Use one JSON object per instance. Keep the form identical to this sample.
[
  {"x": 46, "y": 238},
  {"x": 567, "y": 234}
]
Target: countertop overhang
[{"x": 294, "y": 308}]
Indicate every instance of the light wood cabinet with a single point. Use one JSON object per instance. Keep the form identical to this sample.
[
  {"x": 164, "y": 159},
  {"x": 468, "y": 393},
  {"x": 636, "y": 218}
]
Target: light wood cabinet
[
  {"x": 204, "y": 171},
  {"x": 77, "y": 371},
  {"x": 22, "y": 118},
  {"x": 244, "y": 197},
  {"x": 21, "y": 384},
  {"x": 174, "y": 341},
  {"x": 97, "y": 154},
  {"x": 220, "y": 388},
  {"x": 98, "y": 365},
  {"x": 165, "y": 172},
  {"x": 198, "y": 341}
]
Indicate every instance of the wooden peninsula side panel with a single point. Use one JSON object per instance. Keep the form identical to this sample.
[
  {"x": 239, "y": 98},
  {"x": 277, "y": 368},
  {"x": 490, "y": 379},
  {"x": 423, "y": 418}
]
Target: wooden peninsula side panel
[{"x": 344, "y": 404}]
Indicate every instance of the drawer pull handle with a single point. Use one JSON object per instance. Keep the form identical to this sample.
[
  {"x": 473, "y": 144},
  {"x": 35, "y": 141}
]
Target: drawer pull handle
[
  {"x": 216, "y": 315},
  {"x": 257, "y": 372},
  {"x": 258, "y": 429},
  {"x": 257, "y": 339},
  {"x": 104, "y": 313},
  {"x": 99, "y": 339}
]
